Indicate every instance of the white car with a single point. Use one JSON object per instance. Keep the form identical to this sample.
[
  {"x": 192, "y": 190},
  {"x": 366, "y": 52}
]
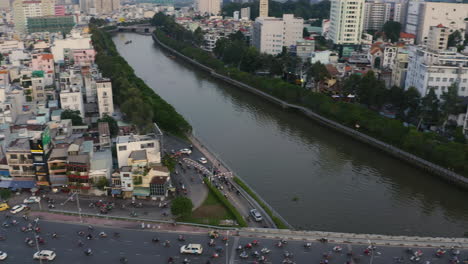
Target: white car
[
  {"x": 203, "y": 160},
  {"x": 17, "y": 208},
  {"x": 256, "y": 215},
  {"x": 45, "y": 255},
  {"x": 3, "y": 255},
  {"x": 185, "y": 151},
  {"x": 32, "y": 199},
  {"x": 191, "y": 249}
]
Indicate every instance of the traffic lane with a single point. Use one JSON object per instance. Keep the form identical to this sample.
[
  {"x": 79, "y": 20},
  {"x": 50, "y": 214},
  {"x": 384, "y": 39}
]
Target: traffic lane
[
  {"x": 135, "y": 245},
  {"x": 317, "y": 252}
]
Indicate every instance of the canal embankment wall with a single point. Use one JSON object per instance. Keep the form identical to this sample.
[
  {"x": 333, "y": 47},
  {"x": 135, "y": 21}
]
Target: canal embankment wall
[{"x": 407, "y": 157}]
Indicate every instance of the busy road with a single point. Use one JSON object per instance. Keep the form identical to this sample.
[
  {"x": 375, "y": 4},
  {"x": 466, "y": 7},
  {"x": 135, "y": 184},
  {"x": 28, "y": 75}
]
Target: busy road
[{"x": 137, "y": 245}]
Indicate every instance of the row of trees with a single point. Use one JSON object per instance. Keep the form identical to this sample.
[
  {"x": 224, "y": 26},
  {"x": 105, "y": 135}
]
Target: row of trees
[
  {"x": 300, "y": 8},
  {"x": 139, "y": 103},
  {"x": 429, "y": 146}
]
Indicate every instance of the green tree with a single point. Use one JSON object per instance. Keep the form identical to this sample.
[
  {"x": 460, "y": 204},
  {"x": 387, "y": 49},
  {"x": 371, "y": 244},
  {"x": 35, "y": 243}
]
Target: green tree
[
  {"x": 74, "y": 115},
  {"x": 198, "y": 36},
  {"x": 101, "y": 183},
  {"x": 392, "y": 30},
  {"x": 351, "y": 84},
  {"x": 411, "y": 103},
  {"x": 113, "y": 126},
  {"x": 430, "y": 108},
  {"x": 371, "y": 92},
  {"x": 170, "y": 162},
  {"x": 182, "y": 206},
  {"x": 305, "y": 33},
  {"x": 454, "y": 39},
  {"x": 449, "y": 103},
  {"x": 318, "y": 72},
  {"x": 5, "y": 194},
  {"x": 458, "y": 135}
]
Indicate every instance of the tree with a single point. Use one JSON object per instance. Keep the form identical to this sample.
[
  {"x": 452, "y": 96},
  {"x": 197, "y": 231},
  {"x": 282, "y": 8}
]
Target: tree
[
  {"x": 318, "y": 72},
  {"x": 454, "y": 39},
  {"x": 74, "y": 115},
  {"x": 450, "y": 102},
  {"x": 182, "y": 206},
  {"x": 101, "y": 183},
  {"x": 430, "y": 107},
  {"x": 411, "y": 103},
  {"x": 5, "y": 194},
  {"x": 392, "y": 30},
  {"x": 198, "y": 36},
  {"x": 305, "y": 33},
  {"x": 113, "y": 126}
]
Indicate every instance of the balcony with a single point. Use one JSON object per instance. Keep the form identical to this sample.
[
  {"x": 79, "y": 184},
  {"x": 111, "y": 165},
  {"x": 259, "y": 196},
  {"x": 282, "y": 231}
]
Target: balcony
[
  {"x": 78, "y": 175},
  {"x": 82, "y": 186},
  {"x": 22, "y": 173}
]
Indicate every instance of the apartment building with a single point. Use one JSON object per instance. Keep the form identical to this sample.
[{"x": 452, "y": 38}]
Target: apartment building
[
  {"x": 400, "y": 68},
  {"x": 263, "y": 8},
  {"x": 271, "y": 34},
  {"x": 20, "y": 160},
  {"x": 210, "y": 7},
  {"x": 127, "y": 144},
  {"x": 23, "y": 9},
  {"x": 346, "y": 21},
  {"x": 438, "y": 38},
  {"x": 245, "y": 13},
  {"x": 438, "y": 70},
  {"x": 376, "y": 13},
  {"x": 422, "y": 15},
  {"x": 104, "y": 96}
]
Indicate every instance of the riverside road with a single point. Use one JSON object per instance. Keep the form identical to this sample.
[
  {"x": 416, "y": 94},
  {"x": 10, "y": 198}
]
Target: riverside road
[{"x": 136, "y": 245}]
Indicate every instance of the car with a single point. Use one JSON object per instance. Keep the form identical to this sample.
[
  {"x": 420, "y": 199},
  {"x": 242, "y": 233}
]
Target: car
[
  {"x": 185, "y": 151},
  {"x": 4, "y": 207},
  {"x": 17, "y": 208},
  {"x": 3, "y": 255},
  {"x": 32, "y": 199},
  {"x": 191, "y": 249},
  {"x": 203, "y": 160},
  {"x": 256, "y": 215},
  {"x": 45, "y": 255}
]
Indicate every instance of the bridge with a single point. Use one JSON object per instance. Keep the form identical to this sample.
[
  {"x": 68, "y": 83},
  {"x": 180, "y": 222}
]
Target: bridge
[{"x": 145, "y": 29}]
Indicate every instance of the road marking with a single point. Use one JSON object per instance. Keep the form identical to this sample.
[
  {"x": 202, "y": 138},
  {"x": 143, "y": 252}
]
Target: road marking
[{"x": 233, "y": 250}]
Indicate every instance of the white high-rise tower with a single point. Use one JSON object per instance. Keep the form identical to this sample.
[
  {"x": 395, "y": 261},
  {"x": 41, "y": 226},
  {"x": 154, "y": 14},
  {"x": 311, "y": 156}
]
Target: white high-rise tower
[{"x": 346, "y": 21}]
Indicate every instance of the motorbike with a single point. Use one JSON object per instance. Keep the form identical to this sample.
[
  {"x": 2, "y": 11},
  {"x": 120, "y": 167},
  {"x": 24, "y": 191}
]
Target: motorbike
[
  {"x": 255, "y": 254},
  {"x": 255, "y": 243},
  {"x": 279, "y": 244},
  {"x": 337, "y": 249},
  {"x": 215, "y": 255},
  {"x": 40, "y": 240},
  {"x": 155, "y": 240},
  {"x": 308, "y": 245},
  {"x": 288, "y": 254},
  {"x": 25, "y": 229},
  {"x": 181, "y": 238},
  {"x": 89, "y": 237},
  {"x": 265, "y": 251},
  {"x": 80, "y": 243},
  {"x": 185, "y": 261},
  {"x": 211, "y": 243},
  {"x": 248, "y": 246},
  {"x": 323, "y": 240},
  {"x": 262, "y": 259},
  {"x": 239, "y": 248},
  {"x": 88, "y": 252},
  {"x": 54, "y": 235},
  {"x": 167, "y": 244},
  {"x": 244, "y": 255},
  {"x": 102, "y": 235}
]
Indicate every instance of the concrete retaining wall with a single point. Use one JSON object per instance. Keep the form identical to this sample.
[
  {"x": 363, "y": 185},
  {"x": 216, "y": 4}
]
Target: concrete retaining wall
[{"x": 437, "y": 170}]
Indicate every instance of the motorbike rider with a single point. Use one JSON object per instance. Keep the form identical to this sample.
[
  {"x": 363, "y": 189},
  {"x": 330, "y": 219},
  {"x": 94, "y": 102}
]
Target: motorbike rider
[
  {"x": 88, "y": 252},
  {"x": 155, "y": 239},
  {"x": 102, "y": 234},
  {"x": 89, "y": 237}
]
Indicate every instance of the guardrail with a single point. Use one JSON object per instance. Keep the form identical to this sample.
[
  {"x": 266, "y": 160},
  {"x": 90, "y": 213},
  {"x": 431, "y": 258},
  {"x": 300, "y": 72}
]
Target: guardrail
[{"x": 428, "y": 166}]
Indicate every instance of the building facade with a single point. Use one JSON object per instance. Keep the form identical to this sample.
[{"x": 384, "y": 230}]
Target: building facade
[
  {"x": 104, "y": 96},
  {"x": 263, "y": 8},
  {"x": 376, "y": 13},
  {"x": 22, "y": 10},
  {"x": 438, "y": 38},
  {"x": 346, "y": 21},
  {"x": 51, "y": 24},
  {"x": 210, "y": 7},
  {"x": 422, "y": 15},
  {"x": 438, "y": 70}
]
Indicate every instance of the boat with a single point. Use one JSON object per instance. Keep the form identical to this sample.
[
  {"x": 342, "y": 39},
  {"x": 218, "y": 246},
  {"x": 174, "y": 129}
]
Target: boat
[{"x": 128, "y": 42}]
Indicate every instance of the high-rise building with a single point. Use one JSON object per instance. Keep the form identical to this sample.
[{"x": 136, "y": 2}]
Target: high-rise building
[
  {"x": 106, "y": 6},
  {"x": 104, "y": 96},
  {"x": 422, "y": 15},
  {"x": 245, "y": 13},
  {"x": 210, "y": 7},
  {"x": 376, "y": 13},
  {"x": 263, "y": 8},
  {"x": 347, "y": 19},
  {"x": 22, "y": 10},
  {"x": 271, "y": 34}
]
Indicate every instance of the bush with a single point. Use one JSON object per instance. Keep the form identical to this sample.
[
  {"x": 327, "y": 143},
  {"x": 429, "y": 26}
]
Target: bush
[
  {"x": 240, "y": 220},
  {"x": 5, "y": 194},
  {"x": 182, "y": 206}
]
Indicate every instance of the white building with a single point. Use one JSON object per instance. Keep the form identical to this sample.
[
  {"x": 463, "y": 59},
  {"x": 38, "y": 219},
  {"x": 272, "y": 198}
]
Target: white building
[
  {"x": 376, "y": 13},
  {"x": 438, "y": 38},
  {"x": 347, "y": 19},
  {"x": 22, "y": 9},
  {"x": 104, "y": 96},
  {"x": 437, "y": 69},
  {"x": 127, "y": 144},
  {"x": 210, "y": 7},
  {"x": 72, "y": 99},
  {"x": 271, "y": 34},
  {"x": 9, "y": 45},
  {"x": 422, "y": 15},
  {"x": 76, "y": 41},
  {"x": 235, "y": 15}
]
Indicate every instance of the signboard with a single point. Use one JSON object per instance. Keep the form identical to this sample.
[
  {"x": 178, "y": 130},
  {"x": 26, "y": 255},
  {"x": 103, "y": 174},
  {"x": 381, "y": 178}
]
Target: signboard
[
  {"x": 46, "y": 138},
  {"x": 36, "y": 146}
]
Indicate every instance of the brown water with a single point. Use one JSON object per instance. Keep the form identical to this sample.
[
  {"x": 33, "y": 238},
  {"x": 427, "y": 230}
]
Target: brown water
[{"x": 341, "y": 185}]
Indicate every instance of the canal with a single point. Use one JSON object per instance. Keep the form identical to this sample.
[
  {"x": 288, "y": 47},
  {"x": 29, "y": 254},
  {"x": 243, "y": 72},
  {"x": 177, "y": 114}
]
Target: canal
[{"x": 315, "y": 178}]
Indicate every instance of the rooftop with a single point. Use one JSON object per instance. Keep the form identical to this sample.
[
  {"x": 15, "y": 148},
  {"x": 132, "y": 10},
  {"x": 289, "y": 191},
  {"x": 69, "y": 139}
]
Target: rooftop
[
  {"x": 135, "y": 138},
  {"x": 83, "y": 159}
]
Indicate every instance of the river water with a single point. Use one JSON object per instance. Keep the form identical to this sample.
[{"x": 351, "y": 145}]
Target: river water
[{"x": 341, "y": 185}]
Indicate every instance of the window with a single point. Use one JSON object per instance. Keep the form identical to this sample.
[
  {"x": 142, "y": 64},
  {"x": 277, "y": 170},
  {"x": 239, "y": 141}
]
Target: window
[
  {"x": 129, "y": 185},
  {"x": 444, "y": 79},
  {"x": 126, "y": 175},
  {"x": 13, "y": 156},
  {"x": 451, "y": 80},
  {"x": 16, "y": 168},
  {"x": 431, "y": 79},
  {"x": 122, "y": 148},
  {"x": 438, "y": 79}
]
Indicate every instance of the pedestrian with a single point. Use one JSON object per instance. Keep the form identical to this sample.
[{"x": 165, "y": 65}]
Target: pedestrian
[{"x": 142, "y": 225}]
